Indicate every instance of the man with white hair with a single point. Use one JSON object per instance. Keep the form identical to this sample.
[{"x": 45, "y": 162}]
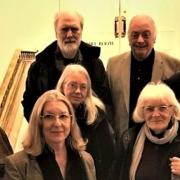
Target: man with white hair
[
  {"x": 67, "y": 49},
  {"x": 129, "y": 72}
]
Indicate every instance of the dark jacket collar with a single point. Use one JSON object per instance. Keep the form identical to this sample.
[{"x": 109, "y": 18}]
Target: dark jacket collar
[{"x": 87, "y": 51}]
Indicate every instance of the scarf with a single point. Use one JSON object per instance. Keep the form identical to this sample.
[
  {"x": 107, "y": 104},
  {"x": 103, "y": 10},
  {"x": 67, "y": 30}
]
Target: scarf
[{"x": 144, "y": 133}]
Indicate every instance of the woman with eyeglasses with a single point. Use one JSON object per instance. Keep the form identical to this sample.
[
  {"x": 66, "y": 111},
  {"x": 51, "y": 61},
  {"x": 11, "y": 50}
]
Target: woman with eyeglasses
[
  {"x": 53, "y": 147},
  {"x": 151, "y": 150},
  {"x": 91, "y": 117}
]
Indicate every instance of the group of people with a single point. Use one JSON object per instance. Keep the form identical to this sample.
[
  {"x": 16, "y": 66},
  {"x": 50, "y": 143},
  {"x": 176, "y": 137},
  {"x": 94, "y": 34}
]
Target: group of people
[{"x": 87, "y": 122}]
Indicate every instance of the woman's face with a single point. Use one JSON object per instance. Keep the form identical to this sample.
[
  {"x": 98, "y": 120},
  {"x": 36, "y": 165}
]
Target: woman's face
[
  {"x": 56, "y": 122},
  {"x": 157, "y": 115},
  {"x": 75, "y": 88}
]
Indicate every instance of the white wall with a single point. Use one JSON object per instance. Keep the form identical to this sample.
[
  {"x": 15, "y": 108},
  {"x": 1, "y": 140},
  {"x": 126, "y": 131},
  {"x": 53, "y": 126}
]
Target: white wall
[
  {"x": 167, "y": 19},
  {"x": 26, "y": 25}
]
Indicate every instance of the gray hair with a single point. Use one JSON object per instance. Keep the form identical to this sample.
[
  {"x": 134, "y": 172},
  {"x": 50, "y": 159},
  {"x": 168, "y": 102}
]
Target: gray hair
[
  {"x": 140, "y": 18},
  {"x": 59, "y": 15},
  {"x": 156, "y": 91}
]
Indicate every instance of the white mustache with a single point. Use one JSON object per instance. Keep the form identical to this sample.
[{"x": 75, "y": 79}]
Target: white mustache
[{"x": 70, "y": 40}]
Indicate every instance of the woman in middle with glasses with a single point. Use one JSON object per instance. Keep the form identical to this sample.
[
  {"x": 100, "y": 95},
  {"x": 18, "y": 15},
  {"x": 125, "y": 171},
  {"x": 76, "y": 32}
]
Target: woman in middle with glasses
[
  {"x": 152, "y": 149},
  {"x": 91, "y": 117}
]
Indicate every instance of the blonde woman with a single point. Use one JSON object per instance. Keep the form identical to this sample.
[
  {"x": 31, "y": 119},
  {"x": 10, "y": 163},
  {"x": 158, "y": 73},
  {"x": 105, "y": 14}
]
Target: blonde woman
[
  {"x": 91, "y": 117},
  {"x": 53, "y": 147}
]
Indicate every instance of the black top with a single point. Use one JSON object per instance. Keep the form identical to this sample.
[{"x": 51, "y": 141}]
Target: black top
[
  {"x": 154, "y": 163},
  {"x": 75, "y": 168},
  {"x": 101, "y": 142},
  {"x": 141, "y": 72}
]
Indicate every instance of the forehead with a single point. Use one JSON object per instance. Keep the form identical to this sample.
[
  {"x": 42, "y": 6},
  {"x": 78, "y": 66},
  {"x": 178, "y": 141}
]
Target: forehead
[
  {"x": 156, "y": 101},
  {"x": 68, "y": 20},
  {"x": 77, "y": 76},
  {"x": 55, "y": 105},
  {"x": 141, "y": 24}
]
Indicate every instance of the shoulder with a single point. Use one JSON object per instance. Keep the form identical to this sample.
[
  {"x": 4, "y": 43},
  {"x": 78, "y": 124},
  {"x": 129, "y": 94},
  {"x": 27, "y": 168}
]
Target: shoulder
[
  {"x": 21, "y": 166},
  {"x": 128, "y": 138},
  {"x": 118, "y": 59},
  {"x": 89, "y": 165},
  {"x": 50, "y": 48},
  {"x": 102, "y": 119},
  {"x": 18, "y": 158},
  {"x": 120, "y": 56},
  {"x": 166, "y": 57},
  {"x": 87, "y": 157},
  {"x": 44, "y": 58},
  {"x": 47, "y": 54},
  {"x": 90, "y": 51}
]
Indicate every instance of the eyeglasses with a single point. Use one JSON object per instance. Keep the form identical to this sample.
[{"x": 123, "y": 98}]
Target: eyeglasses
[
  {"x": 161, "y": 108},
  {"x": 74, "y": 86},
  {"x": 62, "y": 116}
]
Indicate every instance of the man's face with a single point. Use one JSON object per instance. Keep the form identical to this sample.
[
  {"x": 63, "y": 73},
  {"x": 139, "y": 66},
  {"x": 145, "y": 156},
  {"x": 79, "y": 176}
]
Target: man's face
[
  {"x": 68, "y": 34},
  {"x": 141, "y": 38}
]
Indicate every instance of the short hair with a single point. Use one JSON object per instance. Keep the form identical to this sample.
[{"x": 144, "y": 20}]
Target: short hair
[
  {"x": 158, "y": 91},
  {"x": 34, "y": 142},
  {"x": 147, "y": 18},
  {"x": 92, "y": 101},
  {"x": 64, "y": 13}
]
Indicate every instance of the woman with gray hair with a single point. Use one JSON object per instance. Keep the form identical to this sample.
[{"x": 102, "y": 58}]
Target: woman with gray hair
[
  {"x": 53, "y": 147},
  {"x": 151, "y": 150},
  {"x": 91, "y": 117}
]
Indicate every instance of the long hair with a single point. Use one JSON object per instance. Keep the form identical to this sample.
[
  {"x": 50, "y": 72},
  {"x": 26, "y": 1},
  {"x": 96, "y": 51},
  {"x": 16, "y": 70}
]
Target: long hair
[
  {"x": 159, "y": 91},
  {"x": 34, "y": 140},
  {"x": 91, "y": 101}
]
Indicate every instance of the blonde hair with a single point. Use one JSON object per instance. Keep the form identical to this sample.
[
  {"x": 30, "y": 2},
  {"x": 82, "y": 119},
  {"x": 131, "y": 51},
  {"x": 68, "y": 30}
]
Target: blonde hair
[
  {"x": 34, "y": 141},
  {"x": 91, "y": 101},
  {"x": 158, "y": 91}
]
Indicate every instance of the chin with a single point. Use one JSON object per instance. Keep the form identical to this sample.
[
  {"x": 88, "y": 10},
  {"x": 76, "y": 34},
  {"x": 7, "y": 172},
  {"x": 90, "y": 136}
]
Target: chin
[{"x": 158, "y": 130}]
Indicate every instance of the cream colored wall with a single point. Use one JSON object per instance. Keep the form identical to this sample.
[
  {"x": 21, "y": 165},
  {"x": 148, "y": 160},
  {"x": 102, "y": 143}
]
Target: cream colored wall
[
  {"x": 26, "y": 25},
  {"x": 166, "y": 15}
]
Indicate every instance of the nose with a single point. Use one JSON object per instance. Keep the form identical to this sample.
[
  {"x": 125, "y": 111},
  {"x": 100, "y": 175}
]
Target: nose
[
  {"x": 78, "y": 89},
  {"x": 69, "y": 33},
  {"x": 156, "y": 113},
  {"x": 140, "y": 38},
  {"x": 57, "y": 122}
]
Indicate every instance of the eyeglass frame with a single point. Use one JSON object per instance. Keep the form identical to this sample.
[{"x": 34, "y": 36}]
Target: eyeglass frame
[
  {"x": 161, "y": 108},
  {"x": 51, "y": 117},
  {"x": 73, "y": 86}
]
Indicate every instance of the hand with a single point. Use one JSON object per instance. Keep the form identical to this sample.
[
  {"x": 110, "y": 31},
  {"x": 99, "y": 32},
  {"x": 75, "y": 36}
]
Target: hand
[{"x": 175, "y": 165}]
